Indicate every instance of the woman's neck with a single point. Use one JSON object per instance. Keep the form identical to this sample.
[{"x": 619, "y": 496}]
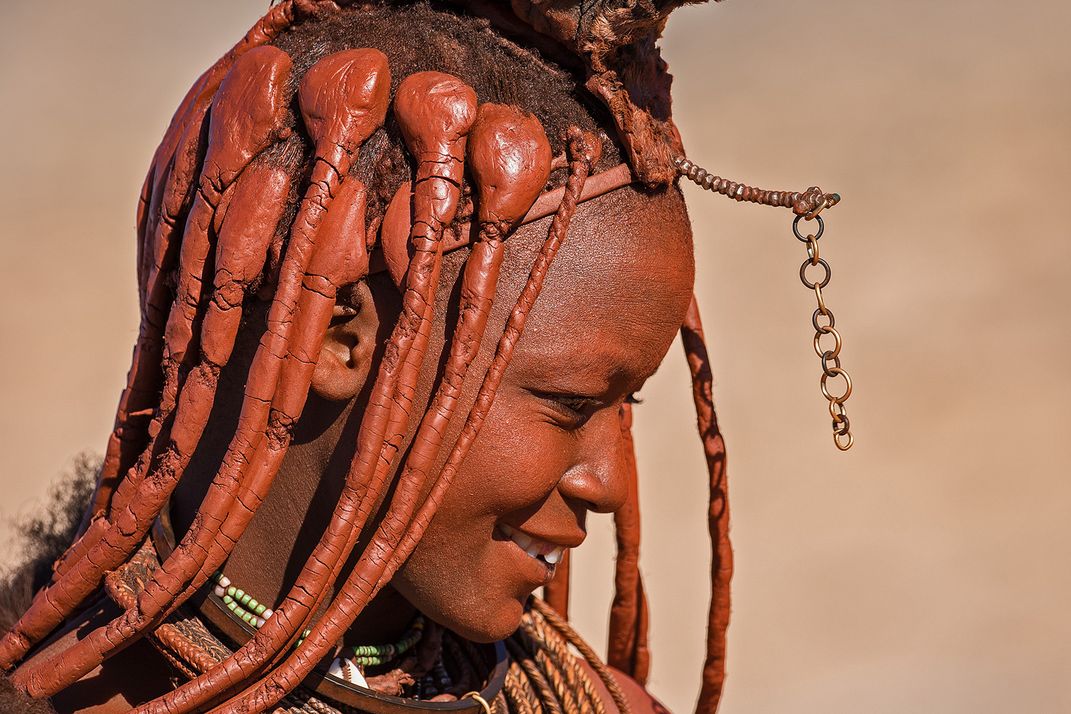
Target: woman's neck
[{"x": 278, "y": 541}]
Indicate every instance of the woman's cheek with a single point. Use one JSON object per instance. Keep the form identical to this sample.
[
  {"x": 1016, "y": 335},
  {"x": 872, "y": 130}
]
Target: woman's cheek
[{"x": 519, "y": 463}]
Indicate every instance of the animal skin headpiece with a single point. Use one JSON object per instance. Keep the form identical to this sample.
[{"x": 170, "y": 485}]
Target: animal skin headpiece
[
  {"x": 614, "y": 44},
  {"x": 214, "y": 238}
]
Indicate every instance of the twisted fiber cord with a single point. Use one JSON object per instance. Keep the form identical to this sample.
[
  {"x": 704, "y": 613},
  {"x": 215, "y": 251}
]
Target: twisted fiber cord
[
  {"x": 517, "y": 694},
  {"x": 533, "y": 656},
  {"x": 722, "y": 561},
  {"x": 520, "y": 697},
  {"x": 801, "y": 203},
  {"x": 557, "y": 650},
  {"x": 563, "y": 629},
  {"x": 568, "y": 693},
  {"x": 547, "y": 697},
  {"x": 467, "y": 660}
]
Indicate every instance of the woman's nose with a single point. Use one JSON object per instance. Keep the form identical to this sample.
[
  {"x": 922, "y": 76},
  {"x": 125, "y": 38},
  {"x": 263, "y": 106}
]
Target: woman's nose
[{"x": 600, "y": 477}]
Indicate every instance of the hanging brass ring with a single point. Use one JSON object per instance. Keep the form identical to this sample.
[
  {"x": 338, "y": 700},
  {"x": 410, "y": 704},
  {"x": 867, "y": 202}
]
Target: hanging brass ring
[{"x": 833, "y": 373}]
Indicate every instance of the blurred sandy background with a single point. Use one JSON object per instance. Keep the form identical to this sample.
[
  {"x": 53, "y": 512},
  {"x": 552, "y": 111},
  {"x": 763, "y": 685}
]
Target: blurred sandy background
[{"x": 928, "y": 570}]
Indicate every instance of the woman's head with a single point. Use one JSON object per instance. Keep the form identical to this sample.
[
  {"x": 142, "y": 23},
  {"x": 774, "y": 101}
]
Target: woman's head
[
  {"x": 551, "y": 446},
  {"x": 455, "y": 420}
]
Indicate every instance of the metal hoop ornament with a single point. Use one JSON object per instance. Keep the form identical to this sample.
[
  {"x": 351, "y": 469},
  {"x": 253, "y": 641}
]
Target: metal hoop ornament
[{"x": 831, "y": 367}]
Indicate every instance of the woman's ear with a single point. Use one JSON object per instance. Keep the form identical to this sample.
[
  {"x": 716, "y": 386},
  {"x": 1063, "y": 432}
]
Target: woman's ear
[{"x": 346, "y": 355}]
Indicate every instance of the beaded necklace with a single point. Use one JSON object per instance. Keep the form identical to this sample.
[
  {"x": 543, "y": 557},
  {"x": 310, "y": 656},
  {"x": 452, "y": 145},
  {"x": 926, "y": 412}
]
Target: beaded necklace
[{"x": 350, "y": 663}]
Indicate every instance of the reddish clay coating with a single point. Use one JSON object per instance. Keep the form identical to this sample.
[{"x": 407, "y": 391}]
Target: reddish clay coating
[
  {"x": 721, "y": 570},
  {"x": 368, "y": 577},
  {"x": 627, "y": 642},
  {"x": 343, "y": 99},
  {"x": 394, "y": 233},
  {"x": 436, "y": 114},
  {"x": 266, "y": 69},
  {"x": 395, "y": 226},
  {"x": 509, "y": 158},
  {"x": 254, "y": 212},
  {"x": 166, "y": 195},
  {"x": 584, "y": 152},
  {"x": 504, "y": 189},
  {"x": 247, "y": 116}
]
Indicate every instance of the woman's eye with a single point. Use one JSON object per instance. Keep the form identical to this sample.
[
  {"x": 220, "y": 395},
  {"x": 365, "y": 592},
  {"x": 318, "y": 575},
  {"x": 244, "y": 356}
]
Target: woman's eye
[
  {"x": 633, "y": 399},
  {"x": 573, "y": 410}
]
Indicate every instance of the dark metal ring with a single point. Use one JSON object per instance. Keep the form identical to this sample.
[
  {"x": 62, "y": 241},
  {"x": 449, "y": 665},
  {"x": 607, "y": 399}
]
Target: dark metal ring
[
  {"x": 824, "y": 329},
  {"x": 796, "y": 228},
  {"x": 808, "y": 283},
  {"x": 825, "y": 363},
  {"x": 842, "y": 428}
]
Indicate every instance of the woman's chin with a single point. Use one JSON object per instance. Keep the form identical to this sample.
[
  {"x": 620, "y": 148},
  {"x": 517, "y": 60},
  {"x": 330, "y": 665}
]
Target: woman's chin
[{"x": 489, "y": 623}]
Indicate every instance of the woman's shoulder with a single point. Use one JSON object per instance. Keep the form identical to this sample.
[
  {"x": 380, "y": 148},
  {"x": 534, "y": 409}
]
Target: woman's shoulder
[{"x": 640, "y": 701}]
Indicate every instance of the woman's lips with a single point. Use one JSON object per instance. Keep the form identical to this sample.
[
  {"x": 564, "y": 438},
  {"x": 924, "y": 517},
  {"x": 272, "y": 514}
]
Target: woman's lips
[{"x": 545, "y": 551}]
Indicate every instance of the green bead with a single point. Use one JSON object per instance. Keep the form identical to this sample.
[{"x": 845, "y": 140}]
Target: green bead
[{"x": 232, "y": 590}]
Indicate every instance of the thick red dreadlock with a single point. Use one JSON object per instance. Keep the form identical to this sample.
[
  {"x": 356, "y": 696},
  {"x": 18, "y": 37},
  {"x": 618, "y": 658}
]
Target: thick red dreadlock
[{"x": 213, "y": 233}]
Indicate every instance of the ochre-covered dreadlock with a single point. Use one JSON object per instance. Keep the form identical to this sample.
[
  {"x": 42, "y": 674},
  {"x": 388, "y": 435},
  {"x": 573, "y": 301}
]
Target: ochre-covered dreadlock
[{"x": 214, "y": 232}]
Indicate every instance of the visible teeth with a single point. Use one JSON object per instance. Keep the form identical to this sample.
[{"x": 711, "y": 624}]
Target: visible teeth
[
  {"x": 524, "y": 542},
  {"x": 549, "y": 553}
]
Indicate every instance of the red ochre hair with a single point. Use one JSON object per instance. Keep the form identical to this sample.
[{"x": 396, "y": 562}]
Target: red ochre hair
[{"x": 213, "y": 231}]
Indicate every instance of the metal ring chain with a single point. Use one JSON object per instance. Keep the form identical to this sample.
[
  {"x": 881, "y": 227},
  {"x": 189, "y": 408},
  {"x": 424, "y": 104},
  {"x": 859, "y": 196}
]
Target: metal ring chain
[{"x": 815, "y": 275}]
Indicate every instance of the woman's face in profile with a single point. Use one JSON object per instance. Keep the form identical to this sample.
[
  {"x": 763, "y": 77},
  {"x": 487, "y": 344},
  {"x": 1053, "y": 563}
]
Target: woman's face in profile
[{"x": 550, "y": 449}]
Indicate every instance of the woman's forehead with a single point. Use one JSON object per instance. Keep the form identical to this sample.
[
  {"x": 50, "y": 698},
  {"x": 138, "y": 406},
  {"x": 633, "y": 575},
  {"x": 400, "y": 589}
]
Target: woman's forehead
[{"x": 618, "y": 290}]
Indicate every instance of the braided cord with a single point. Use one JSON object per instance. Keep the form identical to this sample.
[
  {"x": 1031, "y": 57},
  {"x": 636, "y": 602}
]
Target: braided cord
[{"x": 806, "y": 203}]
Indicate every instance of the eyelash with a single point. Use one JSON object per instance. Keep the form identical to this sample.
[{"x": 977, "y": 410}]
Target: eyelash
[{"x": 579, "y": 409}]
